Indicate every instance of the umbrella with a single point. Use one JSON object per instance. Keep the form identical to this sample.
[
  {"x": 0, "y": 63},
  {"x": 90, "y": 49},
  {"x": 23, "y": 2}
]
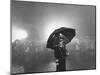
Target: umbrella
[{"x": 69, "y": 33}]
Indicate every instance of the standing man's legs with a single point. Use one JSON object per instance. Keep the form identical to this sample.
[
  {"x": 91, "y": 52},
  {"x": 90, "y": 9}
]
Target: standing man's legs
[
  {"x": 61, "y": 66},
  {"x": 61, "y": 59}
]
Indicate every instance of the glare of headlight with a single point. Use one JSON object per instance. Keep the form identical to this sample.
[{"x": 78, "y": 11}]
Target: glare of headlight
[{"x": 19, "y": 34}]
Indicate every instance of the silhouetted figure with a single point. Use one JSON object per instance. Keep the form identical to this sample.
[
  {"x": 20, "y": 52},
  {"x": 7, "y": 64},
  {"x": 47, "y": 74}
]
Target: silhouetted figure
[{"x": 57, "y": 41}]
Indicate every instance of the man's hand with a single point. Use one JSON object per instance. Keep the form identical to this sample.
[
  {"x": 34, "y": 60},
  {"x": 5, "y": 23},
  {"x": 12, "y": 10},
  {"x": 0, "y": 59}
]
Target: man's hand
[{"x": 67, "y": 53}]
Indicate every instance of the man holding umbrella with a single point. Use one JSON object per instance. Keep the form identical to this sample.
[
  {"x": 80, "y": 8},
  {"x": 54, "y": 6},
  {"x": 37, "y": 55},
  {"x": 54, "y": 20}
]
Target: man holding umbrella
[{"x": 57, "y": 41}]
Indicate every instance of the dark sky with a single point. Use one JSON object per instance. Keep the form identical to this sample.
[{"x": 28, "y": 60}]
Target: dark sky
[{"x": 37, "y": 18}]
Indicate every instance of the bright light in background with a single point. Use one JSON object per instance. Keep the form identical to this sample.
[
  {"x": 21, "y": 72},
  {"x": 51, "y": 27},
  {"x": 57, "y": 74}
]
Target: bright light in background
[
  {"x": 51, "y": 28},
  {"x": 18, "y": 34},
  {"x": 55, "y": 24}
]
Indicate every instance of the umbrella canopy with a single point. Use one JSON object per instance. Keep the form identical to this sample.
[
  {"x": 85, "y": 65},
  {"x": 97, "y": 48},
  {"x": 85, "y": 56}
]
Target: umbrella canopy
[{"x": 69, "y": 33}]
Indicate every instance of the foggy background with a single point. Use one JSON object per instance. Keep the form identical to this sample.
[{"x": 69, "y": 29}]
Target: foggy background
[{"x": 39, "y": 20}]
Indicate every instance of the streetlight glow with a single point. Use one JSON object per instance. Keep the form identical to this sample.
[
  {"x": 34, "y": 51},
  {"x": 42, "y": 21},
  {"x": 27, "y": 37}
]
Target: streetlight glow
[{"x": 19, "y": 34}]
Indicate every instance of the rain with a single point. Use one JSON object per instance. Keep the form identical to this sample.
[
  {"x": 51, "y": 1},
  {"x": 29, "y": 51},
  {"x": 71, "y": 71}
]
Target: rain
[{"x": 35, "y": 21}]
